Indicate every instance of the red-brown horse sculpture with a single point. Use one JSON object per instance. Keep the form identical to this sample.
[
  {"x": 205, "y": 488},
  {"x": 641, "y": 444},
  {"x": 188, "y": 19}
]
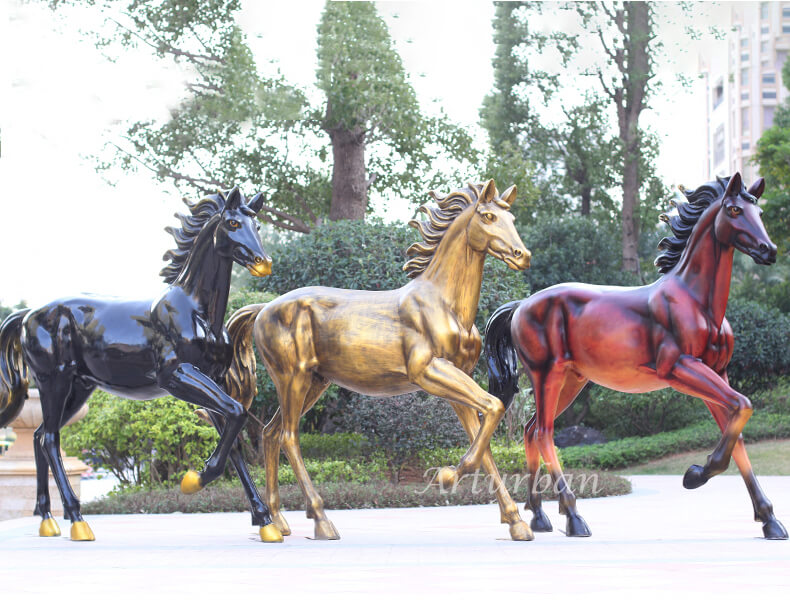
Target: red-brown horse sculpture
[{"x": 671, "y": 333}]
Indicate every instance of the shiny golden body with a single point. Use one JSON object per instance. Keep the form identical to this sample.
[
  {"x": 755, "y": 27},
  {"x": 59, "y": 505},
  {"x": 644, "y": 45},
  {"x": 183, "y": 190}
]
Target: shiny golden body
[{"x": 385, "y": 343}]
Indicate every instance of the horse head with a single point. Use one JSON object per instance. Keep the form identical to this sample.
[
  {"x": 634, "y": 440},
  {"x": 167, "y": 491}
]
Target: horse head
[
  {"x": 237, "y": 234},
  {"x": 739, "y": 221},
  {"x": 492, "y": 229}
]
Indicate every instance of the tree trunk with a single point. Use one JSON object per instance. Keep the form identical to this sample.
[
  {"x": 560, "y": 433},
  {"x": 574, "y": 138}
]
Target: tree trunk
[
  {"x": 586, "y": 199},
  {"x": 349, "y": 184}
]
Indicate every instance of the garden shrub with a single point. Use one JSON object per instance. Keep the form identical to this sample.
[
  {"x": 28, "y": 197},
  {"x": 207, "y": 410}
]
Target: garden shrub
[
  {"x": 775, "y": 399},
  {"x": 373, "y": 468},
  {"x": 619, "y": 415},
  {"x": 402, "y": 426},
  {"x": 140, "y": 442},
  {"x": 334, "y": 446},
  {"x": 760, "y": 354}
]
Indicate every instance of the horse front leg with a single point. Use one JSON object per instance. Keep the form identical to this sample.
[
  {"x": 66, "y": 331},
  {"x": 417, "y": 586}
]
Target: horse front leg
[
  {"x": 519, "y": 530},
  {"x": 186, "y": 382},
  {"x": 763, "y": 509},
  {"x": 692, "y": 376},
  {"x": 440, "y": 377}
]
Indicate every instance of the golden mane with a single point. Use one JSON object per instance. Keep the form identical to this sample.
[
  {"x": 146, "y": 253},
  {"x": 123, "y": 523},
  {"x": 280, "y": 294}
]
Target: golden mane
[{"x": 439, "y": 220}]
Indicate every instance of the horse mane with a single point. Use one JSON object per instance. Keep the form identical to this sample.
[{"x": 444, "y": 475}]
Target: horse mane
[
  {"x": 191, "y": 226},
  {"x": 686, "y": 215},
  {"x": 439, "y": 220}
]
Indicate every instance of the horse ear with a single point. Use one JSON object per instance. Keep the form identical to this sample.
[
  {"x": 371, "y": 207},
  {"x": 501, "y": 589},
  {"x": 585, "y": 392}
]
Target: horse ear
[
  {"x": 233, "y": 201},
  {"x": 509, "y": 196},
  {"x": 488, "y": 193},
  {"x": 256, "y": 203},
  {"x": 757, "y": 188},
  {"x": 734, "y": 186}
]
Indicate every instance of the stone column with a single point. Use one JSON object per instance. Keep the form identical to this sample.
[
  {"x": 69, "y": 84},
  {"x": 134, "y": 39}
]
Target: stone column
[{"x": 18, "y": 465}]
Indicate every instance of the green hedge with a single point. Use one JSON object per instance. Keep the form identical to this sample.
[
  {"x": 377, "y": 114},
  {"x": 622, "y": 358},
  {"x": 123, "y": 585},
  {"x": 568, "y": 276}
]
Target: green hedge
[{"x": 632, "y": 451}]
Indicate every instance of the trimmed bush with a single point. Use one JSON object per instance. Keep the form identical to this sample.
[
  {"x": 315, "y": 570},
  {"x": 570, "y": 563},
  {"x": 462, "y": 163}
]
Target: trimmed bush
[
  {"x": 140, "y": 442},
  {"x": 636, "y": 450},
  {"x": 335, "y": 446}
]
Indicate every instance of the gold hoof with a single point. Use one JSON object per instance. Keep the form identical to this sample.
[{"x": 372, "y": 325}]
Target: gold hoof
[
  {"x": 270, "y": 534},
  {"x": 190, "y": 484},
  {"x": 81, "y": 532},
  {"x": 49, "y": 528},
  {"x": 446, "y": 477},
  {"x": 324, "y": 530},
  {"x": 520, "y": 532},
  {"x": 282, "y": 524}
]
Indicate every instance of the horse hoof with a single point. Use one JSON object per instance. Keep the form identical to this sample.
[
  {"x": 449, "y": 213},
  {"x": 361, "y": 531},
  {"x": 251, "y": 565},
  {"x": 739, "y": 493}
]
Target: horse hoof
[
  {"x": 190, "y": 484},
  {"x": 81, "y": 532},
  {"x": 282, "y": 524},
  {"x": 270, "y": 534},
  {"x": 520, "y": 532},
  {"x": 576, "y": 527},
  {"x": 324, "y": 530},
  {"x": 694, "y": 477},
  {"x": 446, "y": 476},
  {"x": 774, "y": 530},
  {"x": 540, "y": 522},
  {"x": 49, "y": 528}
]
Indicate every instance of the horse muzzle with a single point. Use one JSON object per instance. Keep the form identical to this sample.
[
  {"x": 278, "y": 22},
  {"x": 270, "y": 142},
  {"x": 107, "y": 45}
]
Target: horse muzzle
[{"x": 261, "y": 266}]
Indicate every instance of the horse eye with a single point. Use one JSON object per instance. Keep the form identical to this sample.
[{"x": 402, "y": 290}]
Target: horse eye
[
  {"x": 234, "y": 224},
  {"x": 490, "y": 217},
  {"x": 734, "y": 211}
]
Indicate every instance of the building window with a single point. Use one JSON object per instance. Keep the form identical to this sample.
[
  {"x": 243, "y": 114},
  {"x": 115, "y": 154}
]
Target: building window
[
  {"x": 764, "y": 10},
  {"x": 744, "y": 77},
  {"x": 718, "y": 145},
  {"x": 768, "y": 116},
  {"x": 786, "y": 12},
  {"x": 718, "y": 94},
  {"x": 745, "y": 146},
  {"x": 745, "y": 96},
  {"x": 744, "y": 120},
  {"x": 769, "y": 95},
  {"x": 744, "y": 42},
  {"x": 745, "y": 57},
  {"x": 763, "y": 47},
  {"x": 769, "y": 78},
  {"x": 765, "y": 29}
]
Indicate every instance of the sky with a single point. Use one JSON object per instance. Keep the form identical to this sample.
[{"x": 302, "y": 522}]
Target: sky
[{"x": 66, "y": 229}]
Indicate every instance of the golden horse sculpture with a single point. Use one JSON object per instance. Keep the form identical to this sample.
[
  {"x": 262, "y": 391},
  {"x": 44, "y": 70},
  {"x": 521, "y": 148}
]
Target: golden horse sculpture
[{"x": 385, "y": 343}]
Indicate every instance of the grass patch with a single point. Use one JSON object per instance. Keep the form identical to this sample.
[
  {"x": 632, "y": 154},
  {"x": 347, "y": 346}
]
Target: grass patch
[
  {"x": 229, "y": 497},
  {"x": 768, "y": 458}
]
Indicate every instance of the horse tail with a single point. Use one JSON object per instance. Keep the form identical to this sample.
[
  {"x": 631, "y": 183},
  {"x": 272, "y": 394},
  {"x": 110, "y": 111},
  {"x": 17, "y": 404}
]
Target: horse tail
[
  {"x": 501, "y": 356},
  {"x": 240, "y": 380},
  {"x": 13, "y": 371}
]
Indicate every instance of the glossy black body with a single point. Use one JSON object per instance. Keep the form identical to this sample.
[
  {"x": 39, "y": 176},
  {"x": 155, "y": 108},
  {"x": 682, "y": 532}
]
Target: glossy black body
[{"x": 174, "y": 344}]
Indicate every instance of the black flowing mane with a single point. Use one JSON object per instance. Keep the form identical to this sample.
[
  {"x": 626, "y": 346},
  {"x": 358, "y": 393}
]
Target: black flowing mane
[
  {"x": 685, "y": 216},
  {"x": 191, "y": 226}
]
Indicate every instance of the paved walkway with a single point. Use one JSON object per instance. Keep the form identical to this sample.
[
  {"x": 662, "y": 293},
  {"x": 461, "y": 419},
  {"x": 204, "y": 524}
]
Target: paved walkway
[{"x": 662, "y": 540}]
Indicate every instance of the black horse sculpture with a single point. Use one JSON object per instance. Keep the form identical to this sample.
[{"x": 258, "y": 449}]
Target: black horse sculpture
[{"x": 142, "y": 349}]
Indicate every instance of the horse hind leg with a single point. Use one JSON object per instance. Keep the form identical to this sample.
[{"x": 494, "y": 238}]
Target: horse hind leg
[
  {"x": 61, "y": 398},
  {"x": 272, "y": 434},
  {"x": 763, "y": 509},
  {"x": 558, "y": 390},
  {"x": 540, "y": 521}
]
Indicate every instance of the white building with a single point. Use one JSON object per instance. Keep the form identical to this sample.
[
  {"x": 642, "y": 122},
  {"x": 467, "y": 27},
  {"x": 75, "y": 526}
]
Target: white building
[{"x": 744, "y": 87}]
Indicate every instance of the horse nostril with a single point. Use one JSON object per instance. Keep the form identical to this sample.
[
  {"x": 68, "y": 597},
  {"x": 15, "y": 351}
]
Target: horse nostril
[
  {"x": 763, "y": 247},
  {"x": 517, "y": 253},
  {"x": 258, "y": 260}
]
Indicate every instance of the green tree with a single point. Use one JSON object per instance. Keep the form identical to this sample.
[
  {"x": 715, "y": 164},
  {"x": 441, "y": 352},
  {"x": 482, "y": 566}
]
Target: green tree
[
  {"x": 236, "y": 126},
  {"x": 772, "y": 154}
]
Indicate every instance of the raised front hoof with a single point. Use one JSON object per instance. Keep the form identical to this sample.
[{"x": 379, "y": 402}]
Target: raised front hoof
[
  {"x": 575, "y": 526},
  {"x": 49, "y": 528},
  {"x": 774, "y": 530},
  {"x": 324, "y": 530},
  {"x": 81, "y": 532},
  {"x": 190, "y": 483},
  {"x": 540, "y": 522},
  {"x": 694, "y": 477},
  {"x": 520, "y": 532},
  {"x": 282, "y": 525},
  {"x": 447, "y": 476},
  {"x": 271, "y": 534}
]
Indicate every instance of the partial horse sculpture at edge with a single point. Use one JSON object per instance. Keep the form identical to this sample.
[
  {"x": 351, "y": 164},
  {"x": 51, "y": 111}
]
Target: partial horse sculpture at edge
[
  {"x": 142, "y": 349},
  {"x": 385, "y": 343},
  {"x": 671, "y": 333}
]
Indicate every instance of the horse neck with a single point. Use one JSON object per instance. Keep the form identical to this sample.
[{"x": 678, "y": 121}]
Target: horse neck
[
  {"x": 206, "y": 278},
  {"x": 706, "y": 266},
  {"x": 457, "y": 270}
]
